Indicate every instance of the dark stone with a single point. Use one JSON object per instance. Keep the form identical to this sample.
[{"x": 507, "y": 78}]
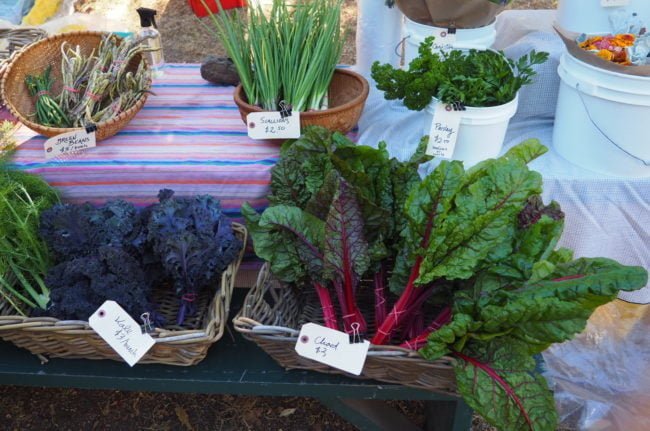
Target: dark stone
[{"x": 219, "y": 70}]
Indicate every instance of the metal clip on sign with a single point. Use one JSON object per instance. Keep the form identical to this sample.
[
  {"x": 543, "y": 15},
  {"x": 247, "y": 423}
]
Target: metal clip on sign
[
  {"x": 285, "y": 110},
  {"x": 355, "y": 337},
  {"x": 90, "y": 128}
]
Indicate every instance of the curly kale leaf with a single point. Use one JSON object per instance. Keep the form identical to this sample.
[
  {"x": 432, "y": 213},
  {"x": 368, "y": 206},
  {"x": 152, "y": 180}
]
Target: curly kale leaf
[
  {"x": 71, "y": 230},
  {"x": 80, "y": 285},
  {"x": 194, "y": 241}
]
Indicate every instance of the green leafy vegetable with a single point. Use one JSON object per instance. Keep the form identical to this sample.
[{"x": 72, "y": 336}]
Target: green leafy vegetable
[
  {"x": 24, "y": 257},
  {"x": 477, "y": 78},
  {"x": 473, "y": 250}
]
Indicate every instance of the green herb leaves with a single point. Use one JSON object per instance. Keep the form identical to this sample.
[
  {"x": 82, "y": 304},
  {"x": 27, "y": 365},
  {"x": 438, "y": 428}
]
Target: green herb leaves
[{"x": 476, "y": 78}]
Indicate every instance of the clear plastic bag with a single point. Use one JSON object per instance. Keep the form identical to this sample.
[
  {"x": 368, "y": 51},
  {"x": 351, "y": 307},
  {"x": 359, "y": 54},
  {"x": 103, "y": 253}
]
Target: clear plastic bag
[{"x": 601, "y": 378}]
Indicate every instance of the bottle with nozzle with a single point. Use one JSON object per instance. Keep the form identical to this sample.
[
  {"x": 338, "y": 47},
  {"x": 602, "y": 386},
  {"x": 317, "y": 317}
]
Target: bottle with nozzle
[{"x": 151, "y": 37}]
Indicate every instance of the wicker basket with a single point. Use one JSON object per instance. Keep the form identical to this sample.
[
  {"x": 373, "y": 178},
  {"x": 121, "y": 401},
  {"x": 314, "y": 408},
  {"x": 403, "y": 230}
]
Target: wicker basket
[
  {"x": 15, "y": 40},
  {"x": 347, "y": 96},
  {"x": 186, "y": 345},
  {"x": 34, "y": 59},
  {"x": 272, "y": 314}
]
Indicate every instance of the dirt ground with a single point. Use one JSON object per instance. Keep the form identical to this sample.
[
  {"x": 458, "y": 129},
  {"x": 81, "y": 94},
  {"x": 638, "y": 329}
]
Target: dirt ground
[{"x": 24, "y": 409}]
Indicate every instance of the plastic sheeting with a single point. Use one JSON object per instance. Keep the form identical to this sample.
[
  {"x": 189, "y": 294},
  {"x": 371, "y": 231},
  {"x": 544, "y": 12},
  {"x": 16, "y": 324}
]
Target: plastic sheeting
[{"x": 601, "y": 378}]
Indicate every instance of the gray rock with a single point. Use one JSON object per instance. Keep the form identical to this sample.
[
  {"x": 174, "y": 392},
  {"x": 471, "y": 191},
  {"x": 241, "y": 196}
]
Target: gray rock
[{"x": 219, "y": 70}]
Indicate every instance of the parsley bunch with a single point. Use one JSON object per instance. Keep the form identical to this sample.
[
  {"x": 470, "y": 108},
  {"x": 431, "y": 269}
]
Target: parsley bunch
[{"x": 475, "y": 78}]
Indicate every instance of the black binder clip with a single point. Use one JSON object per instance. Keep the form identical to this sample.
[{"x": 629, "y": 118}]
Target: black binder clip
[
  {"x": 459, "y": 106},
  {"x": 355, "y": 336},
  {"x": 285, "y": 110},
  {"x": 451, "y": 30},
  {"x": 90, "y": 128}
]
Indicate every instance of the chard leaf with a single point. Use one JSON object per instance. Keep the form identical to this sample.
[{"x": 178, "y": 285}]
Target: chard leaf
[
  {"x": 481, "y": 228},
  {"x": 346, "y": 250},
  {"x": 499, "y": 382},
  {"x": 289, "y": 239},
  {"x": 527, "y": 151},
  {"x": 429, "y": 201}
]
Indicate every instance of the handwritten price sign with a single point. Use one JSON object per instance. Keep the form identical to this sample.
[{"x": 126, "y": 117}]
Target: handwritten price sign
[
  {"x": 444, "y": 131},
  {"x": 332, "y": 348},
  {"x": 69, "y": 143},
  {"x": 121, "y": 332},
  {"x": 271, "y": 125}
]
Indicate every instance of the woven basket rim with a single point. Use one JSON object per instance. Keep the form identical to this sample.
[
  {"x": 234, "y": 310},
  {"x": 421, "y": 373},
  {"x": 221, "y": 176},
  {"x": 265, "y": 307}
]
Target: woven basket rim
[
  {"x": 248, "y": 326},
  {"x": 58, "y": 130},
  {"x": 209, "y": 333},
  {"x": 359, "y": 99}
]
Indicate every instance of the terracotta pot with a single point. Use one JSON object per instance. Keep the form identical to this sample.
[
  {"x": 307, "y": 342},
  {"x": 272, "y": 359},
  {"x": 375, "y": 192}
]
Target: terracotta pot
[{"x": 347, "y": 96}]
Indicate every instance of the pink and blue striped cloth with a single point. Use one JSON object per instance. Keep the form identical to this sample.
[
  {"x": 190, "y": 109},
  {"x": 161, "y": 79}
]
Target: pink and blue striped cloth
[{"x": 188, "y": 137}]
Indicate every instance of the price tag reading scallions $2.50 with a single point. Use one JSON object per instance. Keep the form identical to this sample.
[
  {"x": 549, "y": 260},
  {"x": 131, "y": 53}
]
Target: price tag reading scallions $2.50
[{"x": 271, "y": 125}]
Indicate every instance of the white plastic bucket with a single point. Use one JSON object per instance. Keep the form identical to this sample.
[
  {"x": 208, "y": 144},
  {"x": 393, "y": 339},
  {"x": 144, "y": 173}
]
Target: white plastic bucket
[
  {"x": 591, "y": 17},
  {"x": 415, "y": 33},
  {"x": 481, "y": 132},
  {"x": 601, "y": 120},
  {"x": 378, "y": 35}
]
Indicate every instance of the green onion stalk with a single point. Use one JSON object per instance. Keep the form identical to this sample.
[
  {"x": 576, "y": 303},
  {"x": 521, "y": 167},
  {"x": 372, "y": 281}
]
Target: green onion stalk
[{"x": 289, "y": 55}]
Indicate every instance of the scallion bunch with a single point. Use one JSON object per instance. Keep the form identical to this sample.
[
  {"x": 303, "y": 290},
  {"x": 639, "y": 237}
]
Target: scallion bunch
[{"x": 288, "y": 55}]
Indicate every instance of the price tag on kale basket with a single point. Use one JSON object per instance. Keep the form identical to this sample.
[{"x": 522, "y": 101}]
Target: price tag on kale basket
[
  {"x": 332, "y": 348},
  {"x": 121, "y": 332},
  {"x": 444, "y": 131},
  {"x": 70, "y": 143},
  {"x": 272, "y": 125}
]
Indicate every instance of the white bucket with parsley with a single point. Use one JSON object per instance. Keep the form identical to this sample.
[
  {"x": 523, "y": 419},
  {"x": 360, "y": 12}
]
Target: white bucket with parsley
[{"x": 484, "y": 83}]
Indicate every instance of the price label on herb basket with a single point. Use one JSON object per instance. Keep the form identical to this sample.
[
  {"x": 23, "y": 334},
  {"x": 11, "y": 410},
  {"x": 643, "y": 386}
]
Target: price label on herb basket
[
  {"x": 444, "y": 131},
  {"x": 67, "y": 144},
  {"x": 332, "y": 348},
  {"x": 121, "y": 332},
  {"x": 272, "y": 125},
  {"x": 445, "y": 39}
]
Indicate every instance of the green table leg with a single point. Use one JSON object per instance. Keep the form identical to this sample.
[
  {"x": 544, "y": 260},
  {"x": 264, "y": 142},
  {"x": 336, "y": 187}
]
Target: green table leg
[{"x": 448, "y": 416}]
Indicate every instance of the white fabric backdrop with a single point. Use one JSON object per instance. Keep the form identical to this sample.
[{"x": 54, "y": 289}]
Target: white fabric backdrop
[{"x": 605, "y": 216}]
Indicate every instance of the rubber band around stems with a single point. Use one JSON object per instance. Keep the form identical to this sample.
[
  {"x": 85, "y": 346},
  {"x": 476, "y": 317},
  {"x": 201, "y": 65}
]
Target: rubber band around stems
[
  {"x": 70, "y": 89},
  {"x": 42, "y": 93},
  {"x": 93, "y": 96},
  {"x": 189, "y": 297}
]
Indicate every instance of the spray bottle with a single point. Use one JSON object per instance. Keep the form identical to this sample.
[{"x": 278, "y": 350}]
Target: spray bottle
[{"x": 152, "y": 39}]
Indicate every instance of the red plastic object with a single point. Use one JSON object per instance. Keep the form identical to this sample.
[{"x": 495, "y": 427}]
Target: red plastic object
[{"x": 200, "y": 11}]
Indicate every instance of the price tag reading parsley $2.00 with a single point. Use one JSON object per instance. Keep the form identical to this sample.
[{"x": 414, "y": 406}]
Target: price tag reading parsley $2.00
[
  {"x": 444, "y": 131},
  {"x": 332, "y": 348},
  {"x": 69, "y": 143},
  {"x": 121, "y": 332},
  {"x": 271, "y": 125}
]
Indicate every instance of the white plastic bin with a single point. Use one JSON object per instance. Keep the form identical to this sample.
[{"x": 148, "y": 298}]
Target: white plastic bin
[
  {"x": 481, "y": 132},
  {"x": 591, "y": 17},
  {"x": 601, "y": 120},
  {"x": 379, "y": 30},
  {"x": 415, "y": 33}
]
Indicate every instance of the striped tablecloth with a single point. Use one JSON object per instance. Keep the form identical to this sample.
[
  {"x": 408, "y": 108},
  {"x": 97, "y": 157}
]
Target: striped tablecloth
[{"x": 188, "y": 137}]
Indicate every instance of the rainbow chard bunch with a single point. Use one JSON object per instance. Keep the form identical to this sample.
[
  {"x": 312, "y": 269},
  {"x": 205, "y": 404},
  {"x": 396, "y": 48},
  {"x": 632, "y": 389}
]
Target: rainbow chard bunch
[{"x": 463, "y": 263}]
